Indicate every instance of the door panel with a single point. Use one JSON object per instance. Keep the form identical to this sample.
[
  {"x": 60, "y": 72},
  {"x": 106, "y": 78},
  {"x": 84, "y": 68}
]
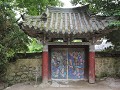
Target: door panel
[
  {"x": 67, "y": 63},
  {"x": 76, "y": 63},
  {"x": 59, "y": 63}
]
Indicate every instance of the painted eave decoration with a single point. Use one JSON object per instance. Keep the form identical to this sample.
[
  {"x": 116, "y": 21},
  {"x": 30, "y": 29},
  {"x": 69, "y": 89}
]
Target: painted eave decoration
[{"x": 66, "y": 21}]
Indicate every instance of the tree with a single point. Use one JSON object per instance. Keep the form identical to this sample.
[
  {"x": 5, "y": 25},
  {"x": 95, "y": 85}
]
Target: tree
[
  {"x": 106, "y": 8},
  {"x": 12, "y": 39},
  {"x": 35, "y": 7}
]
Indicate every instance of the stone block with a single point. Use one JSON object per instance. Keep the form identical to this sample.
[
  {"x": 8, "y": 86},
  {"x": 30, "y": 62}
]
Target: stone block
[
  {"x": 24, "y": 76},
  {"x": 25, "y": 72},
  {"x": 12, "y": 74},
  {"x": 24, "y": 68},
  {"x": 17, "y": 78},
  {"x": 30, "y": 68},
  {"x": 10, "y": 78},
  {"x": 19, "y": 73}
]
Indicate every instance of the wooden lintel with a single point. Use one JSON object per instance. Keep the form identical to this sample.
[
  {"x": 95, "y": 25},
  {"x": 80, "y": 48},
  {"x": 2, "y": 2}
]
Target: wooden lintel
[{"x": 65, "y": 43}]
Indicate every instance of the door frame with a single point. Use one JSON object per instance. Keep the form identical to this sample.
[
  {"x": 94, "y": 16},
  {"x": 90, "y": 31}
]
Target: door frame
[{"x": 86, "y": 64}]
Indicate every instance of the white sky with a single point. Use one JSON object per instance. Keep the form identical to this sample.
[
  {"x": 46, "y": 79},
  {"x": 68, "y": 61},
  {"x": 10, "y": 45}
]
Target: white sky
[
  {"x": 103, "y": 45},
  {"x": 67, "y": 3}
]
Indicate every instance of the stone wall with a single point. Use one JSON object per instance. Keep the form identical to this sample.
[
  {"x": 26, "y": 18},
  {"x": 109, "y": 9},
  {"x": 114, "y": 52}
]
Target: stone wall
[
  {"x": 23, "y": 70},
  {"x": 107, "y": 65}
]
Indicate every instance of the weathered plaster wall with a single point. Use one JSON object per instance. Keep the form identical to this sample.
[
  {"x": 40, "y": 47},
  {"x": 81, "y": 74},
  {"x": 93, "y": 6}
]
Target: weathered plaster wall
[{"x": 23, "y": 70}]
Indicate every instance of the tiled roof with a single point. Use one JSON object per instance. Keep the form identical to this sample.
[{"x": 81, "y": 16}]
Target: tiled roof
[{"x": 67, "y": 21}]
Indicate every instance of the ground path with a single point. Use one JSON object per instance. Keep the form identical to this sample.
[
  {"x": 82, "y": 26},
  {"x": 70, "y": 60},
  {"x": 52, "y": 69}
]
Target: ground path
[{"x": 109, "y": 84}]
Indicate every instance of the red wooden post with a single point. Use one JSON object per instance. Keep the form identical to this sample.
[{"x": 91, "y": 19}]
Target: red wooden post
[
  {"x": 92, "y": 64},
  {"x": 45, "y": 64}
]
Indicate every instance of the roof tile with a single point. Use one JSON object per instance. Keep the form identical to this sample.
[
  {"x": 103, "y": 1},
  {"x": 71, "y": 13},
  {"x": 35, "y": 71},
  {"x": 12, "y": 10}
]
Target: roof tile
[{"x": 65, "y": 20}]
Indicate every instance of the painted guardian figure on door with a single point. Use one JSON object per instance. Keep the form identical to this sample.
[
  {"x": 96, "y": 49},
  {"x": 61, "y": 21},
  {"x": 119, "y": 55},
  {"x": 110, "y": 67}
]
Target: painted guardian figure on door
[
  {"x": 67, "y": 63},
  {"x": 59, "y": 64},
  {"x": 76, "y": 64}
]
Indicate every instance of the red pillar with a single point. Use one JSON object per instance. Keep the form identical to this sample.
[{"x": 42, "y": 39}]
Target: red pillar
[
  {"x": 92, "y": 64},
  {"x": 45, "y": 65}
]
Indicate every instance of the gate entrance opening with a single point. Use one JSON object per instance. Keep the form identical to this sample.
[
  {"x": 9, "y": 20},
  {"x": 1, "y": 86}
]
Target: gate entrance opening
[{"x": 68, "y": 63}]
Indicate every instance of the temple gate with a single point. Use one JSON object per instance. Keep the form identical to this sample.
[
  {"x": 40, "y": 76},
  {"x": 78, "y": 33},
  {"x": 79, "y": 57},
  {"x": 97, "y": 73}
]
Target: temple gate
[{"x": 69, "y": 36}]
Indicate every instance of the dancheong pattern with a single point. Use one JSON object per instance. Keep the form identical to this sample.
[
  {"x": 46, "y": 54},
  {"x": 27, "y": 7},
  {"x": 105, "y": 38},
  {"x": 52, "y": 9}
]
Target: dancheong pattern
[{"x": 67, "y": 63}]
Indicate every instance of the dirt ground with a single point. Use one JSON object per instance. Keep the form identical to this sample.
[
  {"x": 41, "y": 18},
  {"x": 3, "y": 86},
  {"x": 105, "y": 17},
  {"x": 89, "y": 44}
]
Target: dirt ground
[{"x": 107, "y": 84}]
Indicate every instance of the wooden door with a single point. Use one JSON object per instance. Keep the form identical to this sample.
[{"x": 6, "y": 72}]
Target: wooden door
[{"x": 67, "y": 63}]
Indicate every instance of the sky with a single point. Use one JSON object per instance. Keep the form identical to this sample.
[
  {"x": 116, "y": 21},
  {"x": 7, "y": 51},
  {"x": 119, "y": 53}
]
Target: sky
[
  {"x": 67, "y": 3},
  {"x": 100, "y": 47}
]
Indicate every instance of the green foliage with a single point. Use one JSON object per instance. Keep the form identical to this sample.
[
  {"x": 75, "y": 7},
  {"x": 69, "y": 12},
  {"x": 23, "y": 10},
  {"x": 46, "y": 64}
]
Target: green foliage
[
  {"x": 106, "y": 8},
  {"x": 115, "y": 24},
  {"x": 34, "y": 46},
  {"x": 35, "y": 7},
  {"x": 114, "y": 38},
  {"x": 12, "y": 39}
]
